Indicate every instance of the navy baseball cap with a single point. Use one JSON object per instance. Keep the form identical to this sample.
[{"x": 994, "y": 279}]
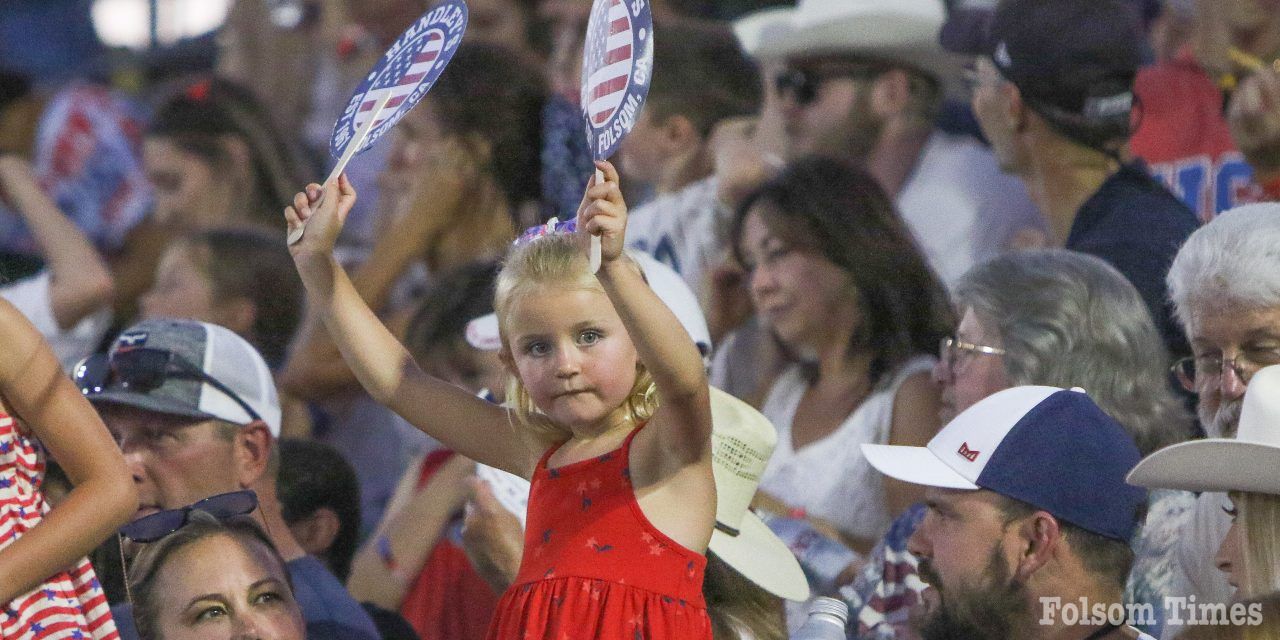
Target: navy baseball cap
[
  {"x": 1051, "y": 448},
  {"x": 1073, "y": 61}
]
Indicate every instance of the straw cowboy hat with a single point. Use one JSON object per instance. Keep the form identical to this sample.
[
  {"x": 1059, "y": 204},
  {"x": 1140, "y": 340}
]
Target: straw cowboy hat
[
  {"x": 899, "y": 31},
  {"x": 1248, "y": 462},
  {"x": 742, "y": 440}
]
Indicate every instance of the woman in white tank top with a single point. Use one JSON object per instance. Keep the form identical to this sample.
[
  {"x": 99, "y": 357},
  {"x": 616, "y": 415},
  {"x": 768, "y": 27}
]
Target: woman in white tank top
[{"x": 837, "y": 279}]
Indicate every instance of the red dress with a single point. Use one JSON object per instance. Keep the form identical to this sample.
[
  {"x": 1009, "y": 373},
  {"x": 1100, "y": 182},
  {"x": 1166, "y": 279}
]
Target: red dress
[
  {"x": 594, "y": 567},
  {"x": 448, "y": 599}
]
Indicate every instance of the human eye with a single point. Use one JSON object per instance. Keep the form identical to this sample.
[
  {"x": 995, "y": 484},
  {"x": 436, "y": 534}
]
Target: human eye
[
  {"x": 590, "y": 337},
  {"x": 267, "y": 597},
  {"x": 537, "y": 348},
  {"x": 1230, "y": 509},
  {"x": 1263, "y": 353},
  {"x": 211, "y": 612}
]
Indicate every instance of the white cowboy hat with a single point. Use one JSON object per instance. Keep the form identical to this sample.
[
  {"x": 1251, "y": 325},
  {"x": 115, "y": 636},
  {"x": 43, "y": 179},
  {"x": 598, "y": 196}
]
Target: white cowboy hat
[
  {"x": 1248, "y": 462},
  {"x": 757, "y": 28},
  {"x": 899, "y": 31},
  {"x": 742, "y": 440}
]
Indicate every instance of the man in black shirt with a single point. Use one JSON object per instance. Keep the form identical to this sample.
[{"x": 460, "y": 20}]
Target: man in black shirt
[{"x": 1054, "y": 95}]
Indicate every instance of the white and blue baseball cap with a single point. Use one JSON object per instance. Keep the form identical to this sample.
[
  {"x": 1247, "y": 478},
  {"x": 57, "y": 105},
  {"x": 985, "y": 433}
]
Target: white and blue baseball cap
[{"x": 1051, "y": 448}]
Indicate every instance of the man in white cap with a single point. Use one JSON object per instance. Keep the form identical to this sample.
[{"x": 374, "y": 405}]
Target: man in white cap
[
  {"x": 194, "y": 408},
  {"x": 1225, "y": 287},
  {"x": 1029, "y": 518},
  {"x": 865, "y": 80}
]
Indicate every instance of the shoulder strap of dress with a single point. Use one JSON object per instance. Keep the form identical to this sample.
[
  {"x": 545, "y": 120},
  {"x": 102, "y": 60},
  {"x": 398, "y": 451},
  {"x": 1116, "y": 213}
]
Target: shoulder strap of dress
[
  {"x": 626, "y": 444},
  {"x": 546, "y": 455}
]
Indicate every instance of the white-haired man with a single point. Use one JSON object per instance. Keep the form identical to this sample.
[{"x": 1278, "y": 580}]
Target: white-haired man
[{"x": 1225, "y": 287}]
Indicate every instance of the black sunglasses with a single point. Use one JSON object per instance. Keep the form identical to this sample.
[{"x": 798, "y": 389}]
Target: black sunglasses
[
  {"x": 144, "y": 369},
  {"x": 802, "y": 84},
  {"x": 222, "y": 507}
]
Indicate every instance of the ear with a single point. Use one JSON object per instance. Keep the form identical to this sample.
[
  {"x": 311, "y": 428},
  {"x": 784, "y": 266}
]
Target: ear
[
  {"x": 237, "y": 314},
  {"x": 891, "y": 93},
  {"x": 253, "y": 453},
  {"x": 1039, "y": 537},
  {"x": 317, "y": 531},
  {"x": 1019, "y": 113},
  {"x": 679, "y": 133}
]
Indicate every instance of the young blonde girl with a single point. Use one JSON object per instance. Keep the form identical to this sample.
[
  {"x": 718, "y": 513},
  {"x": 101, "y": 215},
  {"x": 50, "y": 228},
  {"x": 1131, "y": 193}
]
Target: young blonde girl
[
  {"x": 611, "y": 422},
  {"x": 47, "y": 588}
]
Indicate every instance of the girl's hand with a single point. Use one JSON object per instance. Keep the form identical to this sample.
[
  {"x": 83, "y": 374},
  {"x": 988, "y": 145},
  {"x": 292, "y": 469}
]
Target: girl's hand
[
  {"x": 324, "y": 210},
  {"x": 603, "y": 213}
]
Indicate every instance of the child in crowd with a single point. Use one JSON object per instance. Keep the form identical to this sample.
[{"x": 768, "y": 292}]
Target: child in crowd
[
  {"x": 619, "y": 514},
  {"x": 46, "y": 582}
]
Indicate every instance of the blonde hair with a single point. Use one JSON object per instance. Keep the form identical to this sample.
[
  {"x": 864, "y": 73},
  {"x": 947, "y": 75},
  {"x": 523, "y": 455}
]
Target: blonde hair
[
  {"x": 1258, "y": 515},
  {"x": 559, "y": 260}
]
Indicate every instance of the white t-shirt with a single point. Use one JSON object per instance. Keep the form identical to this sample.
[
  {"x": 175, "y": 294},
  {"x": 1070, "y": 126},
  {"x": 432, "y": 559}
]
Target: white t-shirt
[
  {"x": 31, "y": 297},
  {"x": 688, "y": 230},
  {"x": 961, "y": 208}
]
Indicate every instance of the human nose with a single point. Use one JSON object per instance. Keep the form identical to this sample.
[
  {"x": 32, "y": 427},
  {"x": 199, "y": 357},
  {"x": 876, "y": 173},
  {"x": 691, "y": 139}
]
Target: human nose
[
  {"x": 244, "y": 627},
  {"x": 133, "y": 460},
  {"x": 568, "y": 361},
  {"x": 1232, "y": 379},
  {"x": 920, "y": 544},
  {"x": 1228, "y": 550},
  {"x": 942, "y": 370},
  {"x": 761, "y": 282}
]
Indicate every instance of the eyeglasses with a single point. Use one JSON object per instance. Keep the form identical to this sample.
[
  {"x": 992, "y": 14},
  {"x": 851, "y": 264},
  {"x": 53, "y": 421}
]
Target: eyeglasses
[
  {"x": 803, "y": 84},
  {"x": 144, "y": 369},
  {"x": 1212, "y": 367},
  {"x": 158, "y": 525},
  {"x": 951, "y": 349}
]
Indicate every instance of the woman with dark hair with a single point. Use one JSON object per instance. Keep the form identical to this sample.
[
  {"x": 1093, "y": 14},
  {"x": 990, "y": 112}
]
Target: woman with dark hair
[
  {"x": 215, "y": 159},
  {"x": 835, "y": 277},
  {"x": 214, "y": 579}
]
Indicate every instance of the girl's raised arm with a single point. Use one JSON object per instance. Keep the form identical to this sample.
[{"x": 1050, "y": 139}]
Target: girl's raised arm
[
  {"x": 473, "y": 427},
  {"x": 664, "y": 346},
  {"x": 40, "y": 396}
]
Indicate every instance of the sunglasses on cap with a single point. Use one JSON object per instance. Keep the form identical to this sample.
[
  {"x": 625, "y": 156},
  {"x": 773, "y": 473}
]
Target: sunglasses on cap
[
  {"x": 144, "y": 369},
  {"x": 803, "y": 84},
  {"x": 158, "y": 525}
]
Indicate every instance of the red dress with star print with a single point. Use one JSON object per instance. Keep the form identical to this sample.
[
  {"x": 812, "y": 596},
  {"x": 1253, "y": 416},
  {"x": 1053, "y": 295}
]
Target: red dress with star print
[
  {"x": 594, "y": 567},
  {"x": 68, "y": 604}
]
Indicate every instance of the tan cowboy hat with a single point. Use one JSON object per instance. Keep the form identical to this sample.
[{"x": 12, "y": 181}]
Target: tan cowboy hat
[
  {"x": 899, "y": 31},
  {"x": 742, "y": 440},
  {"x": 1248, "y": 462}
]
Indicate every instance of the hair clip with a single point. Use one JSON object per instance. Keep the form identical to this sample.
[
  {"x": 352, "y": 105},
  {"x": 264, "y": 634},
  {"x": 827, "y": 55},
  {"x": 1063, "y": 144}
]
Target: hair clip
[
  {"x": 552, "y": 226},
  {"x": 199, "y": 92}
]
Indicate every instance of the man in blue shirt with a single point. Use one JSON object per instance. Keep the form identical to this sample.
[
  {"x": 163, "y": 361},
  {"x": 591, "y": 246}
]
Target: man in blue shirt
[{"x": 195, "y": 410}]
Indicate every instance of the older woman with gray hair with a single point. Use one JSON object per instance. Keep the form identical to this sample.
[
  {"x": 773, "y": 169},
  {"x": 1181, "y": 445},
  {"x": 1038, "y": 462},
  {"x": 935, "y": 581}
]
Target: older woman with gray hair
[{"x": 1056, "y": 318}]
